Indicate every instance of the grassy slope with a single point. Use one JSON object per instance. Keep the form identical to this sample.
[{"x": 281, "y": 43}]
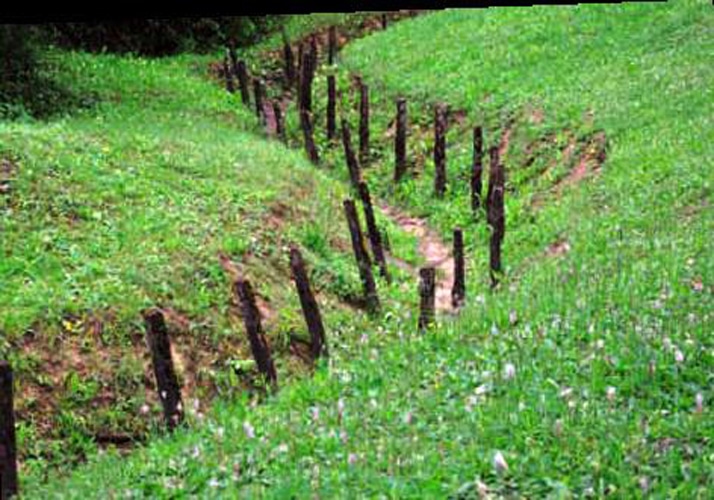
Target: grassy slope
[
  {"x": 127, "y": 205},
  {"x": 424, "y": 416}
]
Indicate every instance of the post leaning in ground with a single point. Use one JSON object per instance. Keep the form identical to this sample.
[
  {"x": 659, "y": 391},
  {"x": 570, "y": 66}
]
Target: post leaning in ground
[
  {"x": 400, "y": 140},
  {"x": 440, "y": 150},
  {"x": 310, "y": 309},
  {"x": 288, "y": 60},
  {"x": 375, "y": 238},
  {"x": 157, "y": 338},
  {"x": 427, "y": 297},
  {"x": 305, "y": 97},
  {"x": 8, "y": 444},
  {"x": 331, "y": 108},
  {"x": 458, "y": 291},
  {"x": 362, "y": 257},
  {"x": 496, "y": 215},
  {"x": 363, "y": 123},
  {"x": 227, "y": 73},
  {"x": 308, "y": 135},
  {"x": 258, "y": 92},
  {"x": 350, "y": 157},
  {"x": 332, "y": 41},
  {"x": 258, "y": 343},
  {"x": 242, "y": 71},
  {"x": 477, "y": 170},
  {"x": 279, "y": 122}
]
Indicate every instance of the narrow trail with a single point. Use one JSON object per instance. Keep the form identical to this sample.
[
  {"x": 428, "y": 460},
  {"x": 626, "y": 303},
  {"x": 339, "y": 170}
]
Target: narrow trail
[{"x": 434, "y": 251}]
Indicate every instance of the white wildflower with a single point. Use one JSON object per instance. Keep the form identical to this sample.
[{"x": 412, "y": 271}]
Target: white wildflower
[
  {"x": 145, "y": 409},
  {"x": 249, "y": 430},
  {"x": 499, "y": 463},
  {"x": 352, "y": 459},
  {"x": 509, "y": 371},
  {"x": 699, "y": 403},
  {"x": 678, "y": 356},
  {"x": 407, "y": 418},
  {"x": 610, "y": 393}
]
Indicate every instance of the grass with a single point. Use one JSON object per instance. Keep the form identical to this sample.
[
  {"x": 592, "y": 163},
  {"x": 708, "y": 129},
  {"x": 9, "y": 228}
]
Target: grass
[
  {"x": 128, "y": 204},
  {"x": 584, "y": 369}
]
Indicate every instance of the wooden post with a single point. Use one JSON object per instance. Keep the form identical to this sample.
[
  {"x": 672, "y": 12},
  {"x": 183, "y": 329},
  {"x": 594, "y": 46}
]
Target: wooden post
[
  {"x": 375, "y": 238},
  {"x": 477, "y": 171},
  {"x": 228, "y": 74},
  {"x": 496, "y": 214},
  {"x": 305, "y": 97},
  {"x": 313, "y": 56},
  {"x": 9, "y": 485},
  {"x": 157, "y": 338},
  {"x": 427, "y": 294},
  {"x": 385, "y": 240},
  {"x": 258, "y": 91},
  {"x": 279, "y": 122},
  {"x": 458, "y": 291},
  {"x": 440, "y": 150},
  {"x": 289, "y": 61},
  {"x": 364, "y": 124},
  {"x": 332, "y": 41},
  {"x": 243, "y": 82},
  {"x": 258, "y": 343},
  {"x": 308, "y": 135},
  {"x": 400, "y": 141},
  {"x": 352, "y": 163},
  {"x": 362, "y": 257},
  {"x": 300, "y": 60},
  {"x": 310, "y": 309},
  {"x": 233, "y": 58},
  {"x": 384, "y": 21},
  {"x": 331, "y": 108}
]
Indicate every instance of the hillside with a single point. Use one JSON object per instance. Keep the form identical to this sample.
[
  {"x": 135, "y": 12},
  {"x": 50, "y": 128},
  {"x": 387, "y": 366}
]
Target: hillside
[{"x": 588, "y": 372}]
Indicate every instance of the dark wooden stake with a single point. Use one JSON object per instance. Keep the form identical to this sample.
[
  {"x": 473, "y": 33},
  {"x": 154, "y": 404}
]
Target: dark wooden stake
[
  {"x": 364, "y": 124},
  {"x": 279, "y": 122},
  {"x": 157, "y": 338},
  {"x": 305, "y": 97},
  {"x": 228, "y": 74},
  {"x": 289, "y": 61},
  {"x": 308, "y": 135},
  {"x": 332, "y": 41},
  {"x": 350, "y": 157},
  {"x": 8, "y": 444},
  {"x": 400, "y": 141},
  {"x": 384, "y": 21},
  {"x": 440, "y": 150},
  {"x": 362, "y": 257},
  {"x": 427, "y": 294},
  {"x": 477, "y": 171},
  {"x": 310, "y": 309},
  {"x": 496, "y": 214},
  {"x": 258, "y": 92},
  {"x": 313, "y": 56},
  {"x": 331, "y": 108},
  {"x": 300, "y": 60},
  {"x": 375, "y": 238},
  {"x": 243, "y": 82},
  {"x": 258, "y": 343},
  {"x": 458, "y": 291},
  {"x": 234, "y": 58}
]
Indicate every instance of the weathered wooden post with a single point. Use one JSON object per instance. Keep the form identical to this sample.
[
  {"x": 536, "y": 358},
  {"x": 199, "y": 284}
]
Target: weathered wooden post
[
  {"x": 300, "y": 60},
  {"x": 492, "y": 166},
  {"x": 384, "y": 21},
  {"x": 458, "y": 291},
  {"x": 477, "y": 171},
  {"x": 157, "y": 338},
  {"x": 400, "y": 140},
  {"x": 427, "y": 295},
  {"x": 258, "y": 92},
  {"x": 228, "y": 74},
  {"x": 362, "y": 257},
  {"x": 364, "y": 124},
  {"x": 350, "y": 157},
  {"x": 375, "y": 238},
  {"x": 279, "y": 121},
  {"x": 310, "y": 309},
  {"x": 243, "y": 82},
  {"x": 308, "y": 135},
  {"x": 496, "y": 214},
  {"x": 258, "y": 343},
  {"x": 440, "y": 150},
  {"x": 313, "y": 56},
  {"x": 289, "y": 61},
  {"x": 9, "y": 485},
  {"x": 331, "y": 108},
  {"x": 332, "y": 42},
  {"x": 305, "y": 97},
  {"x": 233, "y": 57}
]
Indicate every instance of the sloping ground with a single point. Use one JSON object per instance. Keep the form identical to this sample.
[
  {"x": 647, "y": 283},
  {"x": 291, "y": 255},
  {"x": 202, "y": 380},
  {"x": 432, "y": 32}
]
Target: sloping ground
[
  {"x": 157, "y": 195},
  {"x": 589, "y": 374}
]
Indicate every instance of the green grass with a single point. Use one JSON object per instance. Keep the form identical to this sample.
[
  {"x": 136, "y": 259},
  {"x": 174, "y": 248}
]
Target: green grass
[{"x": 628, "y": 307}]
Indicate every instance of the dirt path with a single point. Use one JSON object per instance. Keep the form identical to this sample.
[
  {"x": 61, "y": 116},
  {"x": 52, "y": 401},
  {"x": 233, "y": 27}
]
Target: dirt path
[{"x": 434, "y": 251}]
